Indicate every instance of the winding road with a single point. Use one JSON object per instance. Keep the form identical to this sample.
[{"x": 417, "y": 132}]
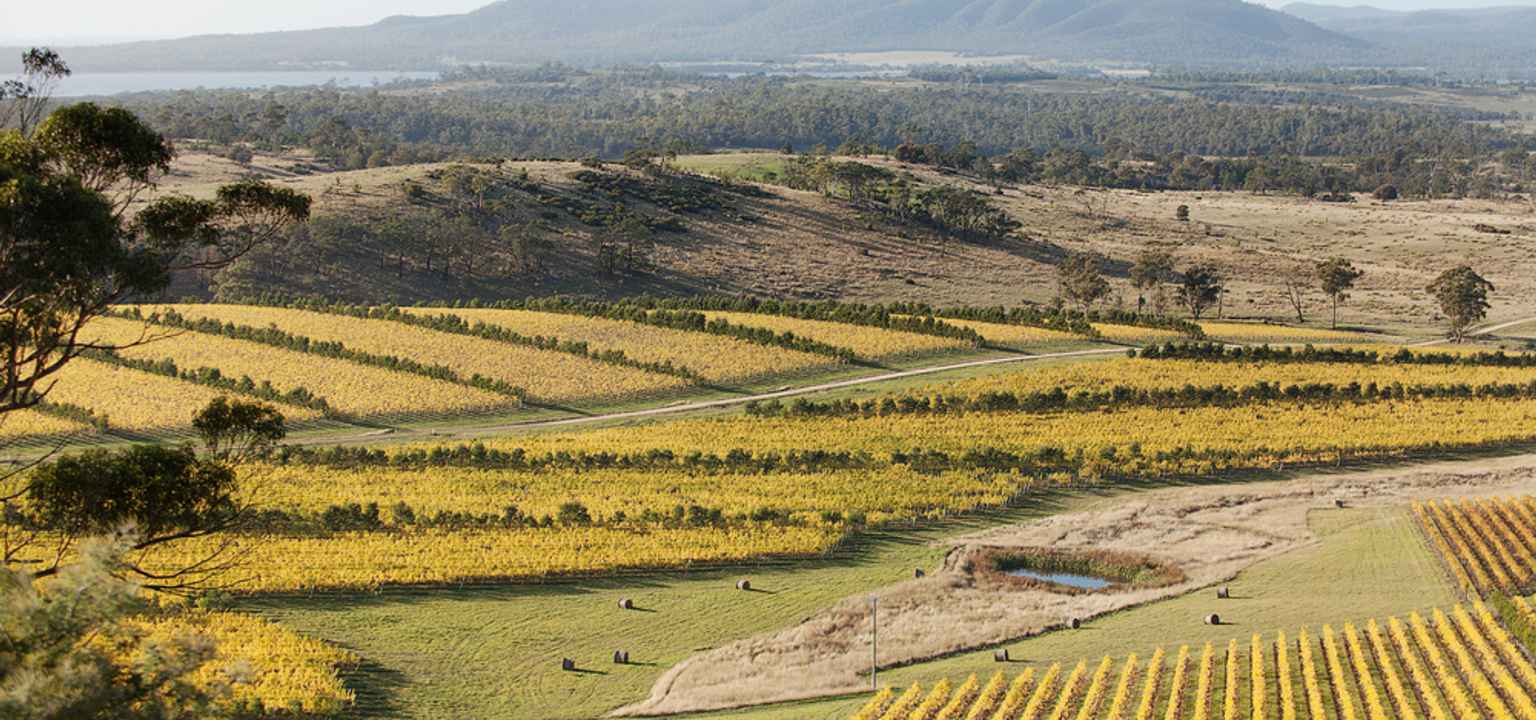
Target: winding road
[{"x": 475, "y": 431}]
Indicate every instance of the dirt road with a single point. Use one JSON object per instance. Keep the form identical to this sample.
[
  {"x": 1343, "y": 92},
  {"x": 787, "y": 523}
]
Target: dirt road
[{"x": 478, "y": 431}]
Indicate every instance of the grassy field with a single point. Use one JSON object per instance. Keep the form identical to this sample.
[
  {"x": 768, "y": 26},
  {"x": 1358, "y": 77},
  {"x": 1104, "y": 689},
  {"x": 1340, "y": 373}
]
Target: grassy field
[
  {"x": 746, "y": 167},
  {"x": 1368, "y": 563},
  {"x": 495, "y": 652}
]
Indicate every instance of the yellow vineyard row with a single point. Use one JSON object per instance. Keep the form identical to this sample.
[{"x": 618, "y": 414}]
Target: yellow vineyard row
[
  {"x": 350, "y": 388},
  {"x": 1458, "y": 664},
  {"x": 1489, "y": 544},
  {"x": 1175, "y": 374},
  {"x": 547, "y": 375},
  {"x": 713, "y": 357}
]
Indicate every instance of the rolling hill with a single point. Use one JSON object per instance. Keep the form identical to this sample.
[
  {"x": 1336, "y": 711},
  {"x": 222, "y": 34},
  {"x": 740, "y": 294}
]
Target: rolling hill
[{"x": 655, "y": 30}]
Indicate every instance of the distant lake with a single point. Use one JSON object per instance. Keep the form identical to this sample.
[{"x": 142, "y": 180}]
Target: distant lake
[{"x": 81, "y": 84}]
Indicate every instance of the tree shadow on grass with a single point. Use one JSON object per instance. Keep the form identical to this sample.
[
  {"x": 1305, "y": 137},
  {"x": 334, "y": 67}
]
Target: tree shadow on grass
[{"x": 377, "y": 689}]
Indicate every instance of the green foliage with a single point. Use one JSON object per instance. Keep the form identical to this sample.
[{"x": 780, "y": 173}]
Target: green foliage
[
  {"x": 1336, "y": 277},
  {"x": 161, "y": 491},
  {"x": 233, "y": 431},
  {"x": 1463, "y": 298},
  {"x": 1199, "y": 289}
]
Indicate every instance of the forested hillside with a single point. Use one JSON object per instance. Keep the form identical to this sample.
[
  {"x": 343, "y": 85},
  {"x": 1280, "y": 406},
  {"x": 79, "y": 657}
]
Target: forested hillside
[{"x": 567, "y": 113}]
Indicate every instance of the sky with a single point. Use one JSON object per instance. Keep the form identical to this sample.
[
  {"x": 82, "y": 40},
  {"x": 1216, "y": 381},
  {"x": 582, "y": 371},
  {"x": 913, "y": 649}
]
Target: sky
[
  {"x": 95, "y": 21},
  {"x": 98, "y": 20}
]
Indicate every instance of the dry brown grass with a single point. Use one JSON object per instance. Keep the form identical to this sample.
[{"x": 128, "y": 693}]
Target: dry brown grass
[{"x": 802, "y": 245}]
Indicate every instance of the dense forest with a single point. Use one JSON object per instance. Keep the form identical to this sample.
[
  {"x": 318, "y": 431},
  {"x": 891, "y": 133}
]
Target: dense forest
[{"x": 577, "y": 115}]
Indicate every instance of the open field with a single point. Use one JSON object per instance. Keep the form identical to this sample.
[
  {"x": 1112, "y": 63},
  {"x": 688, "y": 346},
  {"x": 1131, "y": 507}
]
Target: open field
[{"x": 1255, "y": 240}]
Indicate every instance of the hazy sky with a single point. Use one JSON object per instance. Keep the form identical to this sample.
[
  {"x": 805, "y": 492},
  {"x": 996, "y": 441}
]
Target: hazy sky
[{"x": 102, "y": 20}]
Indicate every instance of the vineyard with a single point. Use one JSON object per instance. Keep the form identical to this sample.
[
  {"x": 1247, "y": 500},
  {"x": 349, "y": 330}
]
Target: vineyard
[
  {"x": 279, "y": 671},
  {"x": 712, "y": 358},
  {"x": 868, "y": 343},
  {"x": 667, "y": 496},
  {"x": 1462, "y": 663},
  {"x": 1489, "y": 545},
  {"x": 387, "y": 365},
  {"x": 1261, "y": 334},
  {"x": 545, "y": 376}
]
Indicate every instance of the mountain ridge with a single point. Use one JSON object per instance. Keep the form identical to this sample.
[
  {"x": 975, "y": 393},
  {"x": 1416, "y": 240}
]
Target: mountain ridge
[{"x": 595, "y": 31}]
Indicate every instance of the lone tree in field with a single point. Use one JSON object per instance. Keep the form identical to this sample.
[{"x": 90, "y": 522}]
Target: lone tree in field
[
  {"x": 1151, "y": 269},
  {"x": 1463, "y": 298},
  {"x": 1081, "y": 281},
  {"x": 1336, "y": 277},
  {"x": 1296, "y": 285},
  {"x": 1200, "y": 289}
]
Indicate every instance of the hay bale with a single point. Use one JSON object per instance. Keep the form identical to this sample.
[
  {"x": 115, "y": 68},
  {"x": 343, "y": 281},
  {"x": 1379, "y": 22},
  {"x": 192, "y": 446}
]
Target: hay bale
[
  {"x": 1213, "y": 619},
  {"x": 1223, "y": 593},
  {"x": 567, "y": 664},
  {"x": 1075, "y": 624},
  {"x": 626, "y": 604},
  {"x": 1338, "y": 504},
  {"x": 743, "y": 584},
  {"x": 919, "y": 573},
  {"x": 1000, "y": 655},
  {"x": 620, "y": 657}
]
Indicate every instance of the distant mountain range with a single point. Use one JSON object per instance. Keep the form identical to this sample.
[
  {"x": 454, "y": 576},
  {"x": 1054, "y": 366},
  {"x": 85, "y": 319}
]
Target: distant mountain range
[
  {"x": 1482, "y": 27},
  {"x": 515, "y": 31},
  {"x": 1496, "y": 40}
]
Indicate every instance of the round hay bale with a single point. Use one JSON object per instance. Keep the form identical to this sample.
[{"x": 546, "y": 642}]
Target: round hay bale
[
  {"x": 1213, "y": 619},
  {"x": 626, "y": 604},
  {"x": 919, "y": 573},
  {"x": 1000, "y": 655},
  {"x": 626, "y": 657},
  {"x": 1075, "y": 624},
  {"x": 743, "y": 584},
  {"x": 1223, "y": 593},
  {"x": 567, "y": 664},
  {"x": 620, "y": 657},
  {"x": 1338, "y": 504}
]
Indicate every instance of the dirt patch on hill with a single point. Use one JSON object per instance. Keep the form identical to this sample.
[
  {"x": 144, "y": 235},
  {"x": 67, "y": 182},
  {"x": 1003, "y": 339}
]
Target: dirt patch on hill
[{"x": 1208, "y": 533}]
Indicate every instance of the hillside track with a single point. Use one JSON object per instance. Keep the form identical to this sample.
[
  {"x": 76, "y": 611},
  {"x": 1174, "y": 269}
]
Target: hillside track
[{"x": 1478, "y": 332}]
